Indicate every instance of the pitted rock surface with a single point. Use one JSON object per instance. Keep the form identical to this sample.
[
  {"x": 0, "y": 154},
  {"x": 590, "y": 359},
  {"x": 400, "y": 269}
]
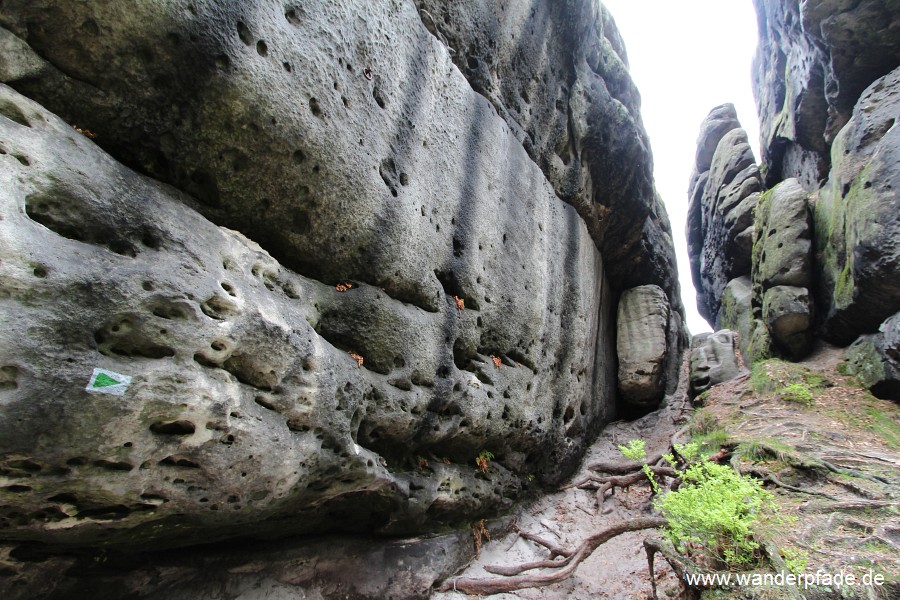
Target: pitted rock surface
[
  {"x": 246, "y": 412},
  {"x": 212, "y": 92},
  {"x": 577, "y": 113}
]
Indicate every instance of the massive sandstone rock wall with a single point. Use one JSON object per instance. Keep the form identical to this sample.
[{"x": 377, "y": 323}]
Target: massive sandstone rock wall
[
  {"x": 476, "y": 173},
  {"x": 824, "y": 260}
]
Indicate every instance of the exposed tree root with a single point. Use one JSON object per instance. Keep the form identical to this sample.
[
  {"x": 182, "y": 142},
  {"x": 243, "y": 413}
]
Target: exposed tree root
[
  {"x": 682, "y": 566},
  {"x": 855, "y": 489},
  {"x": 562, "y": 568},
  {"x": 594, "y": 482},
  {"x": 855, "y": 505},
  {"x": 553, "y": 548},
  {"x": 601, "y": 485},
  {"x": 768, "y": 477},
  {"x": 622, "y": 468}
]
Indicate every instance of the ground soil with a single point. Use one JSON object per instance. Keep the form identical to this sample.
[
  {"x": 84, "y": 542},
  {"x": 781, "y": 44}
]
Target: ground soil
[{"x": 837, "y": 447}]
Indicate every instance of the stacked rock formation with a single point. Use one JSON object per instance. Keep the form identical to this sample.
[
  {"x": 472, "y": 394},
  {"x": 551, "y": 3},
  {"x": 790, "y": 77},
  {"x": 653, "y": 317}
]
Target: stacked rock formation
[
  {"x": 825, "y": 260},
  {"x": 280, "y": 268}
]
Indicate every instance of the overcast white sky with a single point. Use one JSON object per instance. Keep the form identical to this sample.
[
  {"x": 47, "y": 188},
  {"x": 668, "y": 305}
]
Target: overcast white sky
[{"x": 687, "y": 57}]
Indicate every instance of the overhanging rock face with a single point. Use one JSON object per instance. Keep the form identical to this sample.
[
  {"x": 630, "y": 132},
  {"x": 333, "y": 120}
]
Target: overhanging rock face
[{"x": 355, "y": 277}]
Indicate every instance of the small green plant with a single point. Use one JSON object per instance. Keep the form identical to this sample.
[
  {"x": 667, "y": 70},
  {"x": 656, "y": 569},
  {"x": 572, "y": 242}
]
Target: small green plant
[
  {"x": 795, "y": 560},
  {"x": 702, "y": 422},
  {"x": 797, "y": 392},
  {"x": 760, "y": 450},
  {"x": 635, "y": 450},
  {"x": 483, "y": 460},
  {"x": 710, "y": 442},
  {"x": 702, "y": 399},
  {"x": 715, "y": 514}
]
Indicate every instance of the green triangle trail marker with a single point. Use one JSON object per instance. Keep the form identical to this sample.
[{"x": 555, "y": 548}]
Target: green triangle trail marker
[
  {"x": 108, "y": 382},
  {"x": 104, "y": 380}
]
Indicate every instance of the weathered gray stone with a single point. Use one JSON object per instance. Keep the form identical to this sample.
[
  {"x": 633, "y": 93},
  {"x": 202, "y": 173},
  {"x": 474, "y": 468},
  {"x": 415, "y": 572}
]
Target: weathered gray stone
[
  {"x": 576, "y": 111},
  {"x": 782, "y": 267},
  {"x": 720, "y": 120},
  {"x": 784, "y": 232},
  {"x": 787, "y": 313},
  {"x": 377, "y": 260},
  {"x": 857, "y": 219},
  {"x": 641, "y": 345},
  {"x": 813, "y": 61},
  {"x": 760, "y": 346},
  {"x": 206, "y": 96},
  {"x": 720, "y": 213},
  {"x": 18, "y": 60},
  {"x": 713, "y": 360},
  {"x": 875, "y": 360},
  {"x": 246, "y": 414},
  {"x": 735, "y": 312},
  {"x": 337, "y": 566}
]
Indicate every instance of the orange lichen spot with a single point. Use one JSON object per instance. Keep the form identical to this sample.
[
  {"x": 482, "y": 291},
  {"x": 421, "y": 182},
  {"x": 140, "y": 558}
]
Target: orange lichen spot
[{"x": 359, "y": 359}]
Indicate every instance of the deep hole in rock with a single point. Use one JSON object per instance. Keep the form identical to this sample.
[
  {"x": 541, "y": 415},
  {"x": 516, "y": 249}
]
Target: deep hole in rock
[
  {"x": 376, "y": 93},
  {"x": 117, "y": 511},
  {"x": 173, "y": 428},
  {"x": 179, "y": 461},
  {"x": 113, "y": 465},
  {"x": 315, "y": 108},
  {"x": 244, "y": 33},
  {"x": 9, "y": 377}
]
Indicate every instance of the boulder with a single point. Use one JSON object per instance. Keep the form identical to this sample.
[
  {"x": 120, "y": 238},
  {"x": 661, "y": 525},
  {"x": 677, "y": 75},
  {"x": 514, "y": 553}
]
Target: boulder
[
  {"x": 642, "y": 346},
  {"x": 813, "y": 61},
  {"x": 720, "y": 212},
  {"x": 735, "y": 312},
  {"x": 718, "y": 122},
  {"x": 787, "y": 313},
  {"x": 875, "y": 360},
  {"x": 857, "y": 219},
  {"x": 242, "y": 398},
  {"x": 782, "y": 267},
  {"x": 783, "y": 240},
  {"x": 714, "y": 360}
]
